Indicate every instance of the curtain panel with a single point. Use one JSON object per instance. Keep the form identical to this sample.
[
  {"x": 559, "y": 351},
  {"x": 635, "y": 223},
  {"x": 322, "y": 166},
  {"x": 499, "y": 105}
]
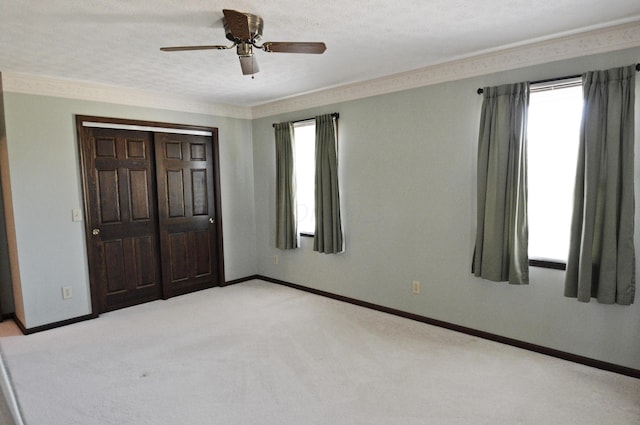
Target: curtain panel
[
  {"x": 601, "y": 260},
  {"x": 286, "y": 225},
  {"x": 328, "y": 237},
  {"x": 502, "y": 231}
]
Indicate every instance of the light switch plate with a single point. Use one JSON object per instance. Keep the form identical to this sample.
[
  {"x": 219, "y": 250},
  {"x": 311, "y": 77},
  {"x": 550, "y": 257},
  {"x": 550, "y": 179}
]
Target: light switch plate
[
  {"x": 76, "y": 214},
  {"x": 67, "y": 292}
]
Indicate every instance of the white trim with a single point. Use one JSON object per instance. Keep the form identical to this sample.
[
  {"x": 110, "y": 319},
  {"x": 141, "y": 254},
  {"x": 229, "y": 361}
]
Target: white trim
[
  {"x": 82, "y": 90},
  {"x": 560, "y": 83},
  {"x": 305, "y": 123},
  {"x": 600, "y": 40},
  {"x": 145, "y": 128}
]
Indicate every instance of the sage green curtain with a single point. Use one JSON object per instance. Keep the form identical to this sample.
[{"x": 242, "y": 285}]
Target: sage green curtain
[
  {"x": 502, "y": 231},
  {"x": 286, "y": 225},
  {"x": 328, "y": 233},
  {"x": 601, "y": 260}
]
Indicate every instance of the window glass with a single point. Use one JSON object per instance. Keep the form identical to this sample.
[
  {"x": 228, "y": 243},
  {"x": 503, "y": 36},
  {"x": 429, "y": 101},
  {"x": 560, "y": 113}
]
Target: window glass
[
  {"x": 305, "y": 154},
  {"x": 553, "y": 138}
]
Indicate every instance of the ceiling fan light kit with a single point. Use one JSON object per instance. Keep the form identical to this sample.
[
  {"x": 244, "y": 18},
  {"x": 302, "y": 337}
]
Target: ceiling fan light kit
[
  {"x": 245, "y": 31},
  {"x": 249, "y": 64}
]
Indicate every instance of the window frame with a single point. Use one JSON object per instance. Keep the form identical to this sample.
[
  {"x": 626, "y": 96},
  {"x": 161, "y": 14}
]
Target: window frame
[
  {"x": 553, "y": 84},
  {"x": 547, "y": 264},
  {"x": 302, "y": 123}
]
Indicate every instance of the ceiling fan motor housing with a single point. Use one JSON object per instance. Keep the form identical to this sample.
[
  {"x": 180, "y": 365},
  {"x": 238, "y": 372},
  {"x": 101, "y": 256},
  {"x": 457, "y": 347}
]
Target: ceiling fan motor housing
[{"x": 256, "y": 24}]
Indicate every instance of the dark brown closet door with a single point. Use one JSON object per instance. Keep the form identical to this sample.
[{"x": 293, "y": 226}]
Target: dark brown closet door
[
  {"x": 187, "y": 213},
  {"x": 122, "y": 217}
]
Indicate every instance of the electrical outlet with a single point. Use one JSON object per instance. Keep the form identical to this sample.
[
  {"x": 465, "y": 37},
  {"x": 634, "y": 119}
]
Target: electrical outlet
[
  {"x": 415, "y": 287},
  {"x": 67, "y": 292},
  {"x": 275, "y": 260}
]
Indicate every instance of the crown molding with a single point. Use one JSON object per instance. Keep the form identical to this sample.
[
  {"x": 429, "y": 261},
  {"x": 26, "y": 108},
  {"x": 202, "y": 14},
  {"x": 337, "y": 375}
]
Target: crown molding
[
  {"x": 568, "y": 46},
  {"x": 601, "y": 40},
  {"x": 45, "y": 86}
]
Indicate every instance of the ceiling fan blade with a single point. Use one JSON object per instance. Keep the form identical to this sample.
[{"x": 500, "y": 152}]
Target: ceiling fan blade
[
  {"x": 294, "y": 47},
  {"x": 249, "y": 65},
  {"x": 181, "y": 48},
  {"x": 238, "y": 24}
]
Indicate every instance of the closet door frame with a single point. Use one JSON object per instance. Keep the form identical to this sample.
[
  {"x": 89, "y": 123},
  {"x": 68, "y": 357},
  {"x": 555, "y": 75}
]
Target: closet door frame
[{"x": 83, "y": 121}]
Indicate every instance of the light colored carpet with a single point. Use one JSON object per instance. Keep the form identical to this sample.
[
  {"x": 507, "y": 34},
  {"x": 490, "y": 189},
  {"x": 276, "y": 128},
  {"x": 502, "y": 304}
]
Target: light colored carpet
[
  {"x": 258, "y": 353},
  {"x": 9, "y": 414}
]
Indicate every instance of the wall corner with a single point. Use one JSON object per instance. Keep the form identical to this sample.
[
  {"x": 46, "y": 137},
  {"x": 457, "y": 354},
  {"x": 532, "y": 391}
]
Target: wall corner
[{"x": 10, "y": 285}]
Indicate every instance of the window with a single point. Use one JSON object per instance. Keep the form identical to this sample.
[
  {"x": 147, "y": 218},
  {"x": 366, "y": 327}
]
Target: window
[
  {"x": 305, "y": 160},
  {"x": 555, "y": 111}
]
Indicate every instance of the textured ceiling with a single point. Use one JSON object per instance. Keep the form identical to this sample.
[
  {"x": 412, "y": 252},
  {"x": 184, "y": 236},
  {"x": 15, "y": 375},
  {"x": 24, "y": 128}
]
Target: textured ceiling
[{"x": 116, "y": 42}]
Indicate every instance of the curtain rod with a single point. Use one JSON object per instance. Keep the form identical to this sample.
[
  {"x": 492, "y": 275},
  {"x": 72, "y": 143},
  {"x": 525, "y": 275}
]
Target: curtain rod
[
  {"x": 335, "y": 115},
  {"x": 480, "y": 90}
]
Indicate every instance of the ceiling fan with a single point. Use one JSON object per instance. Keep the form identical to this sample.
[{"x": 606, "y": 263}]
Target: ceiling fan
[{"x": 245, "y": 31}]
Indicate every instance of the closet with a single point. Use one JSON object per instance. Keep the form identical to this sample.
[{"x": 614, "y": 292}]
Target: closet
[{"x": 152, "y": 210}]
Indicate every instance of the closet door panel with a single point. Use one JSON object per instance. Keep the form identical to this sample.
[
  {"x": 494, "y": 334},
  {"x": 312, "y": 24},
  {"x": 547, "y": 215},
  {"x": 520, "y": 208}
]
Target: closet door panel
[
  {"x": 184, "y": 166},
  {"x": 123, "y": 247}
]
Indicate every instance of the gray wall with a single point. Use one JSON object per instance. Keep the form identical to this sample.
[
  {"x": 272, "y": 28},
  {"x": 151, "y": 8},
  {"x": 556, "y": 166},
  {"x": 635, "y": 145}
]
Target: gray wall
[
  {"x": 407, "y": 170},
  {"x": 407, "y": 174},
  {"x": 46, "y": 186}
]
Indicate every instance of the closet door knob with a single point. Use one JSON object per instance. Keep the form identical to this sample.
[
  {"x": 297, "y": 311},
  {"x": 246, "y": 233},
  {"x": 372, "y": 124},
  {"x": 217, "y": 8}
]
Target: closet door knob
[{"x": 95, "y": 232}]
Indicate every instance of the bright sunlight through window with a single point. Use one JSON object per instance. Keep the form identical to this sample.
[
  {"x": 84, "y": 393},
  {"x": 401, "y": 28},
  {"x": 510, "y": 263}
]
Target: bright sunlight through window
[
  {"x": 553, "y": 138},
  {"x": 305, "y": 159}
]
